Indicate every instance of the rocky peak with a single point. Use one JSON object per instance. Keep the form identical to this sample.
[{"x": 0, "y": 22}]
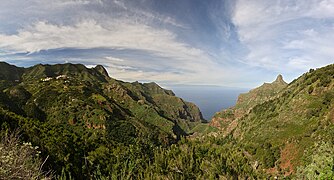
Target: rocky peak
[
  {"x": 227, "y": 120},
  {"x": 280, "y": 80},
  {"x": 102, "y": 70}
]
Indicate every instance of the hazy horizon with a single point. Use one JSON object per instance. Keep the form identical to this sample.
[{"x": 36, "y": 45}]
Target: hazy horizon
[{"x": 209, "y": 99}]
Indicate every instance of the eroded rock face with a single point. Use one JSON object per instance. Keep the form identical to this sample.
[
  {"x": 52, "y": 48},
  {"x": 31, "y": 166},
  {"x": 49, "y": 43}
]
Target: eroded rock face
[{"x": 280, "y": 80}]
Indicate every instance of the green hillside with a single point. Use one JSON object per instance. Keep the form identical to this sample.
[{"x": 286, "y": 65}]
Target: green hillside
[
  {"x": 227, "y": 119},
  {"x": 90, "y": 126},
  {"x": 290, "y": 131},
  {"x": 71, "y": 112}
]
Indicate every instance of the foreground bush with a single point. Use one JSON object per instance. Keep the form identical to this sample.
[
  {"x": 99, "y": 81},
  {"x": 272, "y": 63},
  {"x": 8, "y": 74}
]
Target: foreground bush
[{"x": 19, "y": 160}]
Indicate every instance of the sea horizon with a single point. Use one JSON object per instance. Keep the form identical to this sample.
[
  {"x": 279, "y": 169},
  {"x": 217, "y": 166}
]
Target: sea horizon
[{"x": 209, "y": 99}]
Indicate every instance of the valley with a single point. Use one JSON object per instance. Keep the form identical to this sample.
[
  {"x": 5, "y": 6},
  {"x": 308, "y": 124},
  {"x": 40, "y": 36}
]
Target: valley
[{"x": 88, "y": 125}]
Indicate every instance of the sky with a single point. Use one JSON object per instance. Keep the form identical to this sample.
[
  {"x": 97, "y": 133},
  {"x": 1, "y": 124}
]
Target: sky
[{"x": 233, "y": 43}]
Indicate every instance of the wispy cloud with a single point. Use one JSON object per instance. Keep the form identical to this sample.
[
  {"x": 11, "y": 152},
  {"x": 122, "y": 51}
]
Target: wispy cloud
[
  {"x": 154, "y": 49},
  {"x": 114, "y": 59},
  {"x": 90, "y": 34},
  {"x": 286, "y": 35},
  {"x": 233, "y": 43},
  {"x": 167, "y": 59}
]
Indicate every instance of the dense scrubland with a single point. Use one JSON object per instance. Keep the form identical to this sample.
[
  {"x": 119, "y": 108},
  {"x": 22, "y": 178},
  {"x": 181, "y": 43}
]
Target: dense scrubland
[{"x": 72, "y": 122}]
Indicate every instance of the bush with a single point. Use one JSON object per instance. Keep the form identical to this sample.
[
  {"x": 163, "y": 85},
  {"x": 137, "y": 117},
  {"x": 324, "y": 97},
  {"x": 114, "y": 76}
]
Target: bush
[
  {"x": 19, "y": 161},
  {"x": 310, "y": 89},
  {"x": 321, "y": 165},
  {"x": 324, "y": 81}
]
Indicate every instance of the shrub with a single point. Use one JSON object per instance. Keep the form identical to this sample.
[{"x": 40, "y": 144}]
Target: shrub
[
  {"x": 324, "y": 81},
  {"x": 321, "y": 165},
  {"x": 310, "y": 89},
  {"x": 19, "y": 161}
]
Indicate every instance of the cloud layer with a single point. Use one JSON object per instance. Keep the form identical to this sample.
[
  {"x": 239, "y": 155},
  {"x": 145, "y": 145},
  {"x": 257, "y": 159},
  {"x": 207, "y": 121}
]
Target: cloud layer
[
  {"x": 90, "y": 34},
  {"x": 231, "y": 43},
  {"x": 286, "y": 35}
]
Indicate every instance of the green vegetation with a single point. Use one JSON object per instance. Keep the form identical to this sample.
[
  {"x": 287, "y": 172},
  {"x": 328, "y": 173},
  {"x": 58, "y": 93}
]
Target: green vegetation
[
  {"x": 320, "y": 158},
  {"x": 280, "y": 129},
  {"x": 19, "y": 160},
  {"x": 226, "y": 120},
  {"x": 90, "y": 126},
  {"x": 88, "y": 123}
]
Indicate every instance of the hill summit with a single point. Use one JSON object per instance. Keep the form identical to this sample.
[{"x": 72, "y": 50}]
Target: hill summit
[{"x": 280, "y": 80}]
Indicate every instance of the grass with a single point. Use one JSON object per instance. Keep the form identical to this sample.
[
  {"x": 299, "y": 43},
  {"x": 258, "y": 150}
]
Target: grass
[{"x": 204, "y": 128}]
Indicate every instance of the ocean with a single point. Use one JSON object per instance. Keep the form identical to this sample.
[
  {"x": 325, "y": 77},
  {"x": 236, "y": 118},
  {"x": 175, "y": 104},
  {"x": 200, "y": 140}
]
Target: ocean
[{"x": 210, "y": 99}]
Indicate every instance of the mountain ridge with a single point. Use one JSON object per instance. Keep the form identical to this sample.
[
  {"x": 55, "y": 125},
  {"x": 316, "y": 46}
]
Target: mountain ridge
[
  {"x": 226, "y": 120},
  {"x": 281, "y": 126},
  {"x": 86, "y": 102},
  {"x": 92, "y": 129}
]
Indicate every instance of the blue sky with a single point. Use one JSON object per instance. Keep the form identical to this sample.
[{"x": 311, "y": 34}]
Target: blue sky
[{"x": 236, "y": 43}]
